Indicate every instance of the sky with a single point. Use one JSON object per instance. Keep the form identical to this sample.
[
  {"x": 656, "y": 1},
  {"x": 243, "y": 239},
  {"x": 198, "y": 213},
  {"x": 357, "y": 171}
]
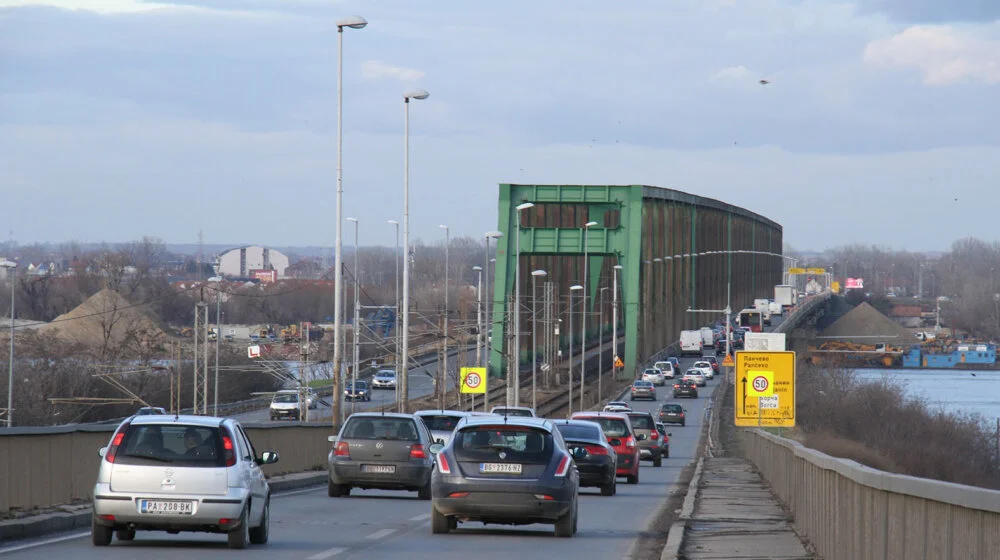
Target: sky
[{"x": 124, "y": 118}]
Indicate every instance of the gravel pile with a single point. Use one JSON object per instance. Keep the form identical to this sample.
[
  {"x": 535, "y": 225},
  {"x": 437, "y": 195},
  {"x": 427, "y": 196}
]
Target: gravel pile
[
  {"x": 865, "y": 324},
  {"x": 106, "y": 316}
]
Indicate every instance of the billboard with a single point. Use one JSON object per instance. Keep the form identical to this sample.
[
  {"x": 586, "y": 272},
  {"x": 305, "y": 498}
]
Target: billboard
[
  {"x": 855, "y": 284},
  {"x": 764, "y": 342},
  {"x": 265, "y": 276}
]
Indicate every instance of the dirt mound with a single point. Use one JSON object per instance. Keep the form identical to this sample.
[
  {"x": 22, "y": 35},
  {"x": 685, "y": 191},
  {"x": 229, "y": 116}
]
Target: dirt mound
[
  {"x": 866, "y": 324},
  {"x": 106, "y": 318}
]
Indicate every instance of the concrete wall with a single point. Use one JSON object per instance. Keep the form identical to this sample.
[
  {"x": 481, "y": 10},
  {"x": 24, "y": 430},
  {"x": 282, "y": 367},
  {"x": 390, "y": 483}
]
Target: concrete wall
[
  {"x": 42, "y": 467},
  {"x": 851, "y": 512}
]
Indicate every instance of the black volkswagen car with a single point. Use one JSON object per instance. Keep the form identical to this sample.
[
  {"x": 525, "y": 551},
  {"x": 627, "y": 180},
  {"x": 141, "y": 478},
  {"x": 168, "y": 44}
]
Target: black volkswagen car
[
  {"x": 598, "y": 461},
  {"x": 507, "y": 471},
  {"x": 672, "y": 413},
  {"x": 684, "y": 388}
]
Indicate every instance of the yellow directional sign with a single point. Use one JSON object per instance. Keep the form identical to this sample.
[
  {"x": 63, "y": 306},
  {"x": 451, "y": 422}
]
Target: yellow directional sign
[
  {"x": 796, "y": 271},
  {"x": 728, "y": 361},
  {"x": 619, "y": 363},
  {"x": 816, "y": 270},
  {"x": 473, "y": 379},
  {"x": 765, "y": 389}
]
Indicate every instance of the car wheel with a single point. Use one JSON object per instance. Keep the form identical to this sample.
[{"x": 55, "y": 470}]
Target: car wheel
[
  {"x": 424, "y": 493},
  {"x": 240, "y": 536},
  {"x": 337, "y": 490},
  {"x": 608, "y": 489},
  {"x": 440, "y": 524},
  {"x": 666, "y": 452},
  {"x": 564, "y": 525},
  {"x": 682, "y": 424},
  {"x": 125, "y": 534},
  {"x": 657, "y": 460},
  {"x": 260, "y": 533},
  {"x": 632, "y": 478},
  {"x": 99, "y": 534}
]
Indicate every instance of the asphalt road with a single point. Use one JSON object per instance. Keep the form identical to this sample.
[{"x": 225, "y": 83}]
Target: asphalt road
[
  {"x": 308, "y": 525},
  {"x": 421, "y": 384}
]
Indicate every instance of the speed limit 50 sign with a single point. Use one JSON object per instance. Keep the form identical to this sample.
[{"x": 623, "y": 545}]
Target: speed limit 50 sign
[
  {"x": 473, "y": 380},
  {"x": 765, "y": 389}
]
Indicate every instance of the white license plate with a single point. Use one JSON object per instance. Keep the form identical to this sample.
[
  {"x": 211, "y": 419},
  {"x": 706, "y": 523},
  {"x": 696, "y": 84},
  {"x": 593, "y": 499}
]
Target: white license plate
[
  {"x": 500, "y": 468},
  {"x": 161, "y": 507},
  {"x": 379, "y": 469}
]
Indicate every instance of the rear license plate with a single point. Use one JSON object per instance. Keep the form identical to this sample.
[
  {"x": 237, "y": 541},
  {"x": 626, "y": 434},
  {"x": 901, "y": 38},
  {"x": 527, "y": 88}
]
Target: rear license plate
[
  {"x": 161, "y": 507},
  {"x": 500, "y": 468},
  {"x": 379, "y": 469}
]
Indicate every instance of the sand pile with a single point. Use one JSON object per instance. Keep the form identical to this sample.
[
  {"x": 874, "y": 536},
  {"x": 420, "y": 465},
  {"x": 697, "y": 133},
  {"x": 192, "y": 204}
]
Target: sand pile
[
  {"x": 865, "y": 324},
  {"x": 106, "y": 317}
]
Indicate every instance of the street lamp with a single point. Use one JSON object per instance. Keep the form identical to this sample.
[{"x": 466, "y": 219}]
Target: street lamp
[
  {"x": 535, "y": 274},
  {"x": 583, "y": 309},
  {"x": 353, "y": 22},
  {"x": 570, "y": 369},
  {"x": 600, "y": 345},
  {"x": 11, "y": 267},
  {"x": 217, "y": 280},
  {"x": 614, "y": 317},
  {"x": 442, "y": 376},
  {"x": 489, "y": 314},
  {"x": 514, "y": 377},
  {"x": 357, "y": 312},
  {"x": 396, "y": 329},
  {"x": 404, "y": 393},
  {"x": 479, "y": 315}
]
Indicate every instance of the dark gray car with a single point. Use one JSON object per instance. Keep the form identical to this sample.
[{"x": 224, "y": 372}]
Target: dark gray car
[
  {"x": 384, "y": 451},
  {"x": 651, "y": 445},
  {"x": 508, "y": 471}
]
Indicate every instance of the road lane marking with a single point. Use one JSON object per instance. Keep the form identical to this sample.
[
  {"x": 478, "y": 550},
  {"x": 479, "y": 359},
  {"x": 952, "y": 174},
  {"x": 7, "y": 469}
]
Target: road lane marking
[
  {"x": 328, "y": 553},
  {"x": 421, "y": 517},
  {"x": 37, "y": 544},
  {"x": 381, "y": 533}
]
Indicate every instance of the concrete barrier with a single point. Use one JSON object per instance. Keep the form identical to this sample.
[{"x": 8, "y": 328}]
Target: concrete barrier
[
  {"x": 849, "y": 511},
  {"x": 45, "y": 467}
]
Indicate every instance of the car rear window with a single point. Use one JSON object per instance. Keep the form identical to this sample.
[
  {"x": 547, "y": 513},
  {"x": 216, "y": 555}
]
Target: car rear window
[
  {"x": 642, "y": 422},
  {"x": 187, "y": 446},
  {"x": 516, "y": 443},
  {"x": 366, "y": 427},
  {"x": 642, "y": 384},
  {"x": 440, "y": 422},
  {"x": 512, "y": 412},
  {"x": 671, "y": 408},
  {"x": 571, "y": 431},
  {"x": 286, "y": 398},
  {"x": 612, "y": 427}
]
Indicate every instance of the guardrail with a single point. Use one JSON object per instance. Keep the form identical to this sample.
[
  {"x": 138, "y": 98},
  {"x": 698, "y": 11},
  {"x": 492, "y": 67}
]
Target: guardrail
[
  {"x": 850, "y": 511},
  {"x": 802, "y": 310}
]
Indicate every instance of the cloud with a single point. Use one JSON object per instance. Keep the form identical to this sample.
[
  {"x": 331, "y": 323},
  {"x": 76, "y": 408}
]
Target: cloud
[
  {"x": 944, "y": 55},
  {"x": 731, "y": 73},
  {"x": 377, "y": 70},
  {"x": 934, "y": 11}
]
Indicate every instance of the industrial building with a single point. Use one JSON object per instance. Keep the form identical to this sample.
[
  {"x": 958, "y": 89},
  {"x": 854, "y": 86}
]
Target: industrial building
[{"x": 241, "y": 262}]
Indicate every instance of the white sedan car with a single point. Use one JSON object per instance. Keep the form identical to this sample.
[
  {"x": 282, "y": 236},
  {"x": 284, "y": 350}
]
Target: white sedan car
[
  {"x": 654, "y": 376},
  {"x": 705, "y": 368},
  {"x": 695, "y": 376}
]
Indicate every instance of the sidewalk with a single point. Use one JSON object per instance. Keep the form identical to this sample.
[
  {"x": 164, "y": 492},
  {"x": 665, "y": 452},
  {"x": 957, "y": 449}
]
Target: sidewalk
[{"x": 735, "y": 516}]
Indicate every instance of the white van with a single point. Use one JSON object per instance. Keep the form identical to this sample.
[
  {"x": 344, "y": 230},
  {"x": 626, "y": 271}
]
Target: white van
[
  {"x": 691, "y": 342},
  {"x": 708, "y": 337}
]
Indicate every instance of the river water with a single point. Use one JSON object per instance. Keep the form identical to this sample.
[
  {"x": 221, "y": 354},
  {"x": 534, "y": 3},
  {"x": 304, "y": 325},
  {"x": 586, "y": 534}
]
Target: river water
[{"x": 954, "y": 390}]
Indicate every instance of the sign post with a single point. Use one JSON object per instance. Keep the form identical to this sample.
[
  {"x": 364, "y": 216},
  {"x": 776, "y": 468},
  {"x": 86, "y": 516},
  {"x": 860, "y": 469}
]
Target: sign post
[{"x": 765, "y": 389}]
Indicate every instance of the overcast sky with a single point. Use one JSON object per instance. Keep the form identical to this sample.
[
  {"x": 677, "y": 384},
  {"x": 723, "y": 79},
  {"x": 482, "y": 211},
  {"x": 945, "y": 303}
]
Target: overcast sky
[{"x": 124, "y": 118}]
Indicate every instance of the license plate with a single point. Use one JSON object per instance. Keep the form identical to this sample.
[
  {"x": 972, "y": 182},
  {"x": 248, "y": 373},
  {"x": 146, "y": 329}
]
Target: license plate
[
  {"x": 160, "y": 507},
  {"x": 379, "y": 469},
  {"x": 500, "y": 468}
]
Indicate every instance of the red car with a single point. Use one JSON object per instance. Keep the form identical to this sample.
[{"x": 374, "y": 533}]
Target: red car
[{"x": 617, "y": 427}]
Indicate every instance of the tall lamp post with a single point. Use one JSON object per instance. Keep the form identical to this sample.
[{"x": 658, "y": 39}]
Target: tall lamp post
[
  {"x": 479, "y": 315},
  {"x": 514, "y": 377},
  {"x": 535, "y": 275},
  {"x": 569, "y": 375},
  {"x": 583, "y": 309},
  {"x": 396, "y": 329},
  {"x": 443, "y": 375},
  {"x": 353, "y": 22},
  {"x": 404, "y": 394},
  {"x": 600, "y": 353},
  {"x": 487, "y": 334},
  {"x": 217, "y": 280},
  {"x": 357, "y": 312},
  {"x": 11, "y": 267},
  {"x": 614, "y": 318}
]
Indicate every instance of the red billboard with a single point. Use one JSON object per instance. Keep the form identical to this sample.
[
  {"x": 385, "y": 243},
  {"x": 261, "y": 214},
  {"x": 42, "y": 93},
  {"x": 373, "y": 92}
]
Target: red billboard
[
  {"x": 855, "y": 284},
  {"x": 265, "y": 276}
]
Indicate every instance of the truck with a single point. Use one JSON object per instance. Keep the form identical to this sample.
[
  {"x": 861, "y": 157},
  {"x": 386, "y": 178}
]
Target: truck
[
  {"x": 785, "y": 295},
  {"x": 691, "y": 342},
  {"x": 775, "y": 308},
  {"x": 763, "y": 305}
]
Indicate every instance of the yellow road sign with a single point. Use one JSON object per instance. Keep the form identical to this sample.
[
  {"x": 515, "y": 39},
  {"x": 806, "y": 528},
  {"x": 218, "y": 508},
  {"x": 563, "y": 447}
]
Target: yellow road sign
[
  {"x": 473, "y": 379},
  {"x": 796, "y": 271},
  {"x": 619, "y": 363},
  {"x": 765, "y": 389},
  {"x": 728, "y": 361},
  {"x": 816, "y": 270}
]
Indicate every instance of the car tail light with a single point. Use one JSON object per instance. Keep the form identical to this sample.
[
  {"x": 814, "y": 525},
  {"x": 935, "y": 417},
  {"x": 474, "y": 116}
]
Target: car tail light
[
  {"x": 682, "y": 415},
  {"x": 225, "y": 521},
  {"x": 458, "y": 494},
  {"x": 633, "y": 389},
  {"x": 343, "y": 449},
  {"x": 106, "y": 517},
  {"x": 109, "y": 455},
  {"x": 545, "y": 497},
  {"x": 596, "y": 450},
  {"x": 677, "y": 386},
  {"x": 654, "y": 435},
  {"x": 630, "y": 441},
  {"x": 230, "y": 453},
  {"x": 563, "y": 467},
  {"x": 443, "y": 466},
  {"x": 417, "y": 451}
]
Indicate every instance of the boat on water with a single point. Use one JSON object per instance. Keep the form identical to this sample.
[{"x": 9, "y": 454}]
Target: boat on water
[{"x": 960, "y": 356}]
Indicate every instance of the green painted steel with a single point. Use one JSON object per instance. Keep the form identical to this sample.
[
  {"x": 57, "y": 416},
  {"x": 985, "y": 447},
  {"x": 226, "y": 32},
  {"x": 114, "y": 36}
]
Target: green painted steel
[{"x": 636, "y": 223}]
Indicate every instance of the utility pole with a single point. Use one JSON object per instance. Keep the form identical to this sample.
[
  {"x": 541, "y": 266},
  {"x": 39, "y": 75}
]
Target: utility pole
[
  {"x": 614, "y": 320},
  {"x": 442, "y": 379}
]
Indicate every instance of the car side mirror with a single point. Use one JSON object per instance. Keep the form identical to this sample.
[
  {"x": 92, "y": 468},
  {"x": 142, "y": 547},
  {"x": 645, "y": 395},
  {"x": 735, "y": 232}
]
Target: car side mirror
[
  {"x": 615, "y": 442},
  {"x": 331, "y": 439},
  {"x": 102, "y": 451},
  {"x": 670, "y": 434},
  {"x": 436, "y": 447},
  {"x": 268, "y": 458},
  {"x": 640, "y": 437}
]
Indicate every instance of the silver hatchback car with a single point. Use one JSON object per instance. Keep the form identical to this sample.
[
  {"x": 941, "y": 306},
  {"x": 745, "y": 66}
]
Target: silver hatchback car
[{"x": 181, "y": 473}]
